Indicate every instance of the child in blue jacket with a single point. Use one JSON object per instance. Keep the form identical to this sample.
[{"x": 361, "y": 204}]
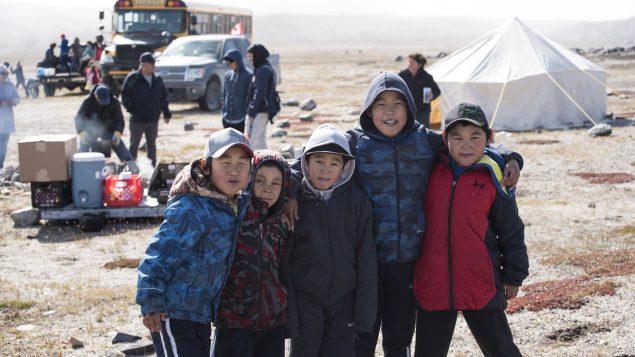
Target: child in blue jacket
[{"x": 186, "y": 263}]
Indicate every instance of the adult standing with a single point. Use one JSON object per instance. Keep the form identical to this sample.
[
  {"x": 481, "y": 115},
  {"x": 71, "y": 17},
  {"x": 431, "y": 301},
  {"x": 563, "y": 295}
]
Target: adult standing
[
  {"x": 420, "y": 81},
  {"x": 50, "y": 60},
  {"x": 76, "y": 54},
  {"x": 8, "y": 99},
  {"x": 145, "y": 98},
  {"x": 64, "y": 51},
  {"x": 261, "y": 93},
  {"x": 235, "y": 90},
  {"x": 19, "y": 76}
]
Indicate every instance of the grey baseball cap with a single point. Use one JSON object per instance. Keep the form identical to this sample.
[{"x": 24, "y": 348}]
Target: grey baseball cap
[{"x": 223, "y": 140}]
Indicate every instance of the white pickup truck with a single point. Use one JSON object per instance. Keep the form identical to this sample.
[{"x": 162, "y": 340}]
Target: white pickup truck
[{"x": 192, "y": 67}]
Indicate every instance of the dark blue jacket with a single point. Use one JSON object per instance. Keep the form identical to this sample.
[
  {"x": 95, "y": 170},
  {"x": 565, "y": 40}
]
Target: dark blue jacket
[
  {"x": 187, "y": 261},
  {"x": 263, "y": 86},
  {"x": 144, "y": 104},
  {"x": 235, "y": 90}
]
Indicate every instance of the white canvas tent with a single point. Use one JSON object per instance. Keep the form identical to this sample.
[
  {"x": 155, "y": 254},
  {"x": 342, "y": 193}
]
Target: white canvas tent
[{"x": 523, "y": 81}]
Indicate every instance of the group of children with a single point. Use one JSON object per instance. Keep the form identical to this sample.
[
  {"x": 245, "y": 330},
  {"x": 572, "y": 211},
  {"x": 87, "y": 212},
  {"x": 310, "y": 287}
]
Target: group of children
[{"x": 369, "y": 230}]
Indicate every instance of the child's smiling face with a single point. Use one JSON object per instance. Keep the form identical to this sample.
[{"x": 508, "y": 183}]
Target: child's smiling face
[{"x": 390, "y": 113}]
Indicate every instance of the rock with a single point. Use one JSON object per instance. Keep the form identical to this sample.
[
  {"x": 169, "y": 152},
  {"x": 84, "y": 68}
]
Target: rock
[
  {"x": 278, "y": 133},
  {"x": 122, "y": 337},
  {"x": 25, "y": 328},
  {"x": 76, "y": 343},
  {"x": 308, "y": 104},
  {"x": 600, "y": 130},
  {"x": 306, "y": 117},
  {"x": 354, "y": 112},
  {"x": 22, "y": 186},
  {"x": 287, "y": 151},
  {"x": 442, "y": 54},
  {"x": 5, "y": 192},
  {"x": 189, "y": 126},
  {"x": 283, "y": 124},
  {"x": 139, "y": 350},
  {"x": 25, "y": 217},
  {"x": 48, "y": 313},
  {"x": 292, "y": 103},
  {"x": 399, "y": 59}
]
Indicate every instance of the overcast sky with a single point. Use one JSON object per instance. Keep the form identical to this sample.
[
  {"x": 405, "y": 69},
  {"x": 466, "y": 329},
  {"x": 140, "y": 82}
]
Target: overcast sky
[{"x": 598, "y": 10}]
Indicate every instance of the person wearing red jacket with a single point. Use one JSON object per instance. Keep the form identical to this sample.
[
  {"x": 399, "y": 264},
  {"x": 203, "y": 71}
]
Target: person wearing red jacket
[{"x": 473, "y": 258}]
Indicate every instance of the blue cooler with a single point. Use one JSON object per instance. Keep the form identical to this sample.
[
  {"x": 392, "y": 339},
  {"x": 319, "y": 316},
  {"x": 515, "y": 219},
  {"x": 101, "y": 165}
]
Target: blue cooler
[{"x": 87, "y": 172}]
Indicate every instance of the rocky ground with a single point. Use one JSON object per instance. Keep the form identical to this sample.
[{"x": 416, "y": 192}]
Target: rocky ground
[{"x": 56, "y": 283}]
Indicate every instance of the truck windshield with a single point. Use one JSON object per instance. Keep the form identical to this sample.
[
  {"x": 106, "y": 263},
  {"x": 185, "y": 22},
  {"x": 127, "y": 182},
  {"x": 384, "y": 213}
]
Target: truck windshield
[
  {"x": 194, "y": 49},
  {"x": 155, "y": 21}
]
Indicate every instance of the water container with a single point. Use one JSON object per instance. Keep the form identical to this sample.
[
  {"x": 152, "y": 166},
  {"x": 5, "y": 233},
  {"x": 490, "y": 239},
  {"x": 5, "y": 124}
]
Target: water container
[{"x": 87, "y": 172}]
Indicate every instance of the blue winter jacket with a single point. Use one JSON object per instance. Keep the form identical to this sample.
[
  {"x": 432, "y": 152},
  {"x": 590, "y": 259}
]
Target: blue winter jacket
[
  {"x": 187, "y": 261},
  {"x": 235, "y": 90}
]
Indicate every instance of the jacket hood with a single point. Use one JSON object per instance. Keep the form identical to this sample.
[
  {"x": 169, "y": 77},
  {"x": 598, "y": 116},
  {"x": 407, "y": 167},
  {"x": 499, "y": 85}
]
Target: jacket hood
[
  {"x": 327, "y": 134},
  {"x": 259, "y": 54},
  {"x": 261, "y": 157},
  {"x": 235, "y": 56},
  {"x": 383, "y": 82}
]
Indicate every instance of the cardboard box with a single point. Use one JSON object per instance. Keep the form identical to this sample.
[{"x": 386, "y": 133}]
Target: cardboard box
[{"x": 46, "y": 158}]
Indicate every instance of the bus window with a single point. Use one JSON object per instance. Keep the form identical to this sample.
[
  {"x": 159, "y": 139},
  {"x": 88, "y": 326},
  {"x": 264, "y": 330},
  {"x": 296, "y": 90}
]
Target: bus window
[{"x": 152, "y": 21}]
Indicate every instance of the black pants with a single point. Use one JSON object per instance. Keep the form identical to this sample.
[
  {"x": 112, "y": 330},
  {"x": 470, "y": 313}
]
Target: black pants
[
  {"x": 489, "y": 328},
  {"x": 424, "y": 118},
  {"x": 239, "y": 126},
  {"x": 182, "y": 338},
  {"x": 242, "y": 343},
  {"x": 325, "y": 331},
  {"x": 151, "y": 130},
  {"x": 396, "y": 311}
]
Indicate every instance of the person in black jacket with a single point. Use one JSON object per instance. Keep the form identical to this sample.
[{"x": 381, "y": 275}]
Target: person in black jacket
[
  {"x": 419, "y": 82},
  {"x": 331, "y": 254},
  {"x": 260, "y": 96},
  {"x": 100, "y": 119},
  {"x": 145, "y": 97}
]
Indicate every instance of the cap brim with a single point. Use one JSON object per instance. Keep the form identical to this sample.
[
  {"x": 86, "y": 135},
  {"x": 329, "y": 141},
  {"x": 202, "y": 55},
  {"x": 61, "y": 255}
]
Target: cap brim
[
  {"x": 103, "y": 101},
  {"x": 222, "y": 150},
  {"x": 468, "y": 120},
  {"x": 348, "y": 156}
]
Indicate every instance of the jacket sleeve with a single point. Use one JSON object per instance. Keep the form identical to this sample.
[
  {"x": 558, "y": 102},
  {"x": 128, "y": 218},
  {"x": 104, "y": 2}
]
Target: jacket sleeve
[
  {"x": 225, "y": 101},
  {"x": 366, "y": 291},
  {"x": 80, "y": 118},
  {"x": 293, "y": 319},
  {"x": 295, "y": 182},
  {"x": 164, "y": 101},
  {"x": 127, "y": 93},
  {"x": 173, "y": 242},
  {"x": 259, "y": 91},
  {"x": 436, "y": 91},
  {"x": 510, "y": 230},
  {"x": 117, "y": 116}
]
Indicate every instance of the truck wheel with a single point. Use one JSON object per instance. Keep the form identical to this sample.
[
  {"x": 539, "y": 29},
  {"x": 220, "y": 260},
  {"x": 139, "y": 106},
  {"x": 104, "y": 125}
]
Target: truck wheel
[
  {"x": 49, "y": 89},
  {"x": 211, "y": 101}
]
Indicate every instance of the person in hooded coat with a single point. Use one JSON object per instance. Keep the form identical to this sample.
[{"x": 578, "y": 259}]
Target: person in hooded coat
[
  {"x": 235, "y": 90},
  {"x": 8, "y": 99},
  {"x": 261, "y": 94}
]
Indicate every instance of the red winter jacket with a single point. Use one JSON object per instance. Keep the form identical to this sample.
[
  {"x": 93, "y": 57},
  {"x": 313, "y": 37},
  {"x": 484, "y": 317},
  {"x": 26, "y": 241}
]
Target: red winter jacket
[{"x": 474, "y": 242}]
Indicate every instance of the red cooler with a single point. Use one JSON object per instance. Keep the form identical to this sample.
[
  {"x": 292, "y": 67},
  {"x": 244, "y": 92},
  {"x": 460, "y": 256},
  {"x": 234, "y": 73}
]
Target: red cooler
[{"x": 123, "y": 190}]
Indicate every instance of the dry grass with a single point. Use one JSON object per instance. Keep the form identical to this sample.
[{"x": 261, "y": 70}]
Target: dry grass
[
  {"x": 614, "y": 262},
  {"x": 560, "y": 294},
  {"x": 607, "y": 177},
  {"x": 16, "y": 304},
  {"x": 121, "y": 262},
  {"x": 539, "y": 142}
]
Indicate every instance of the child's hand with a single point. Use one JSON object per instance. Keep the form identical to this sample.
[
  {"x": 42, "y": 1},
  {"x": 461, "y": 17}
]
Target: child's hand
[
  {"x": 511, "y": 174},
  {"x": 153, "y": 321},
  {"x": 291, "y": 212},
  {"x": 511, "y": 291}
]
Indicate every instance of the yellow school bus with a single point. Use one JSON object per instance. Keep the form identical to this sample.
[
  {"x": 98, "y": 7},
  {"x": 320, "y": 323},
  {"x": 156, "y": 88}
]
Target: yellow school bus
[{"x": 140, "y": 26}]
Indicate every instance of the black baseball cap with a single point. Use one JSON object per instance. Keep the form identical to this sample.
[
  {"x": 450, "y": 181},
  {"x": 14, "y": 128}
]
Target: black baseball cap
[
  {"x": 102, "y": 93},
  {"x": 147, "y": 57},
  {"x": 466, "y": 112}
]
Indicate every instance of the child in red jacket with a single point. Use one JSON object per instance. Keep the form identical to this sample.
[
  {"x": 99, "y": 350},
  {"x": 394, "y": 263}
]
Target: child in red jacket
[{"x": 473, "y": 256}]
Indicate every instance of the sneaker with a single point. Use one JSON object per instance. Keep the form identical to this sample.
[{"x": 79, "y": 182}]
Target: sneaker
[{"x": 132, "y": 167}]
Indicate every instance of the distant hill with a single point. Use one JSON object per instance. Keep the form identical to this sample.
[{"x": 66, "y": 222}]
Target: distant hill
[{"x": 448, "y": 33}]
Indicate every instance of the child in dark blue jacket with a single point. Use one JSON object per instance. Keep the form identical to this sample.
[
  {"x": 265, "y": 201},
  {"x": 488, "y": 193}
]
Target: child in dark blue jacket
[
  {"x": 235, "y": 88},
  {"x": 187, "y": 261}
]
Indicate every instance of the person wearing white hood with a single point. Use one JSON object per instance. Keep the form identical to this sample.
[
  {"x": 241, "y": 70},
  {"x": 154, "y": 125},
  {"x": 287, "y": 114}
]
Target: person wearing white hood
[
  {"x": 8, "y": 99},
  {"x": 332, "y": 254}
]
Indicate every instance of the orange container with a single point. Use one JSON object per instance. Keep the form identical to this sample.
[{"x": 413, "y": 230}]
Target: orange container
[{"x": 123, "y": 190}]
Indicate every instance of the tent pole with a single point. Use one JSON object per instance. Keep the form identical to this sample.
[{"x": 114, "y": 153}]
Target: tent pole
[{"x": 570, "y": 98}]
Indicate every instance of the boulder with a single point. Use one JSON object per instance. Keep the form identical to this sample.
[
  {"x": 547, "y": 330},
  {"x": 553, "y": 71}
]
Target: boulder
[
  {"x": 600, "y": 130},
  {"x": 76, "y": 343},
  {"x": 139, "y": 350},
  {"x": 283, "y": 124},
  {"x": 292, "y": 103},
  {"x": 399, "y": 59},
  {"x": 278, "y": 133},
  {"x": 306, "y": 117},
  {"x": 122, "y": 337},
  {"x": 287, "y": 151},
  {"x": 308, "y": 104},
  {"x": 25, "y": 217}
]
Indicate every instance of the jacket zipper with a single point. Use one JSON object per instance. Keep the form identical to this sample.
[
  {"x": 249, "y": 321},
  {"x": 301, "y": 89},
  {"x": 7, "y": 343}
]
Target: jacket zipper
[
  {"x": 332, "y": 259},
  {"x": 397, "y": 178},
  {"x": 450, "y": 244},
  {"x": 260, "y": 283}
]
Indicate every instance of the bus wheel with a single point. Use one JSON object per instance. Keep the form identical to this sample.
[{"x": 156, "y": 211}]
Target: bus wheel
[
  {"x": 211, "y": 101},
  {"x": 49, "y": 89}
]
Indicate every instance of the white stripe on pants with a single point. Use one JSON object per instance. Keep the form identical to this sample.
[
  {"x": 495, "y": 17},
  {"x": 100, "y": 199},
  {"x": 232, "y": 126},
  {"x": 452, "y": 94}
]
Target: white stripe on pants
[{"x": 256, "y": 128}]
